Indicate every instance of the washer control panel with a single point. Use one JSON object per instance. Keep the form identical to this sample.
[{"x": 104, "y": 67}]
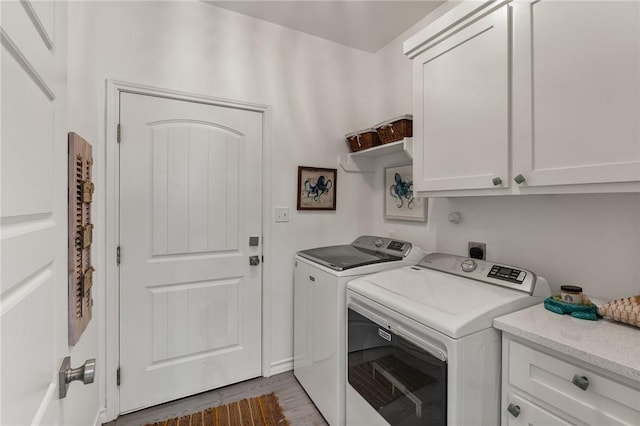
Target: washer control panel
[
  {"x": 508, "y": 274},
  {"x": 384, "y": 245},
  {"x": 480, "y": 270}
]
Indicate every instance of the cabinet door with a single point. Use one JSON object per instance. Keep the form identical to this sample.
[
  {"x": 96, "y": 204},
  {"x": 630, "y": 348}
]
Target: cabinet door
[
  {"x": 461, "y": 107},
  {"x": 576, "y": 92},
  {"x": 529, "y": 414},
  {"x": 600, "y": 401}
]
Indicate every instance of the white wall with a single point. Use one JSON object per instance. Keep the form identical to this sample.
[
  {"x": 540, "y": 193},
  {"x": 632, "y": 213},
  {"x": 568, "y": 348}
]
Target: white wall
[
  {"x": 317, "y": 91},
  {"x": 393, "y": 88},
  {"x": 83, "y": 119},
  {"x": 586, "y": 240}
]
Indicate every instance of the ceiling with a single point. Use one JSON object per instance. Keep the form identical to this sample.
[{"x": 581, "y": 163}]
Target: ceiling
[{"x": 364, "y": 25}]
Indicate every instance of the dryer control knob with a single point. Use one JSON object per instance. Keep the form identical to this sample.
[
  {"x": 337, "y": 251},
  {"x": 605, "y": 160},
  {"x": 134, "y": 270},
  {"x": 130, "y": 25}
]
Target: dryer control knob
[
  {"x": 378, "y": 243},
  {"x": 469, "y": 265}
]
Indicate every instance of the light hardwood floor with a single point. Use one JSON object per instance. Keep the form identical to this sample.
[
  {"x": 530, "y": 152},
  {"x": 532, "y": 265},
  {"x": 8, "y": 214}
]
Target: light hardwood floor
[{"x": 295, "y": 403}]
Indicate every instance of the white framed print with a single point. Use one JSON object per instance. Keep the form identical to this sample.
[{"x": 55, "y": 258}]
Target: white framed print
[{"x": 399, "y": 202}]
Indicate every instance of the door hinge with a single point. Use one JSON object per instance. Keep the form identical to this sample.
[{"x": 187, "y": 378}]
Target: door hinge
[
  {"x": 118, "y": 255},
  {"x": 118, "y": 133},
  {"x": 118, "y": 376}
]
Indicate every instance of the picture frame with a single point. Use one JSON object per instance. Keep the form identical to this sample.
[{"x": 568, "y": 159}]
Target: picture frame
[
  {"x": 316, "y": 188},
  {"x": 399, "y": 203}
]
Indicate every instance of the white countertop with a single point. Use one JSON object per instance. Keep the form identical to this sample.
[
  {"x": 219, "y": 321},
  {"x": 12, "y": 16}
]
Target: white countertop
[{"x": 607, "y": 344}]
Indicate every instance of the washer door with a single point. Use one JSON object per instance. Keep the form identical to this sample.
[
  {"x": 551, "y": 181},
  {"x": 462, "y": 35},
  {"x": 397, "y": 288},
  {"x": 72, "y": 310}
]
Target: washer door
[
  {"x": 341, "y": 258},
  {"x": 402, "y": 380}
]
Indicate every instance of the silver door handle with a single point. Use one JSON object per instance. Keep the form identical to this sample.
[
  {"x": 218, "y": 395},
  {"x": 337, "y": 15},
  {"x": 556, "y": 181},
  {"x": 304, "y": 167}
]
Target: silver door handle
[
  {"x": 254, "y": 260},
  {"x": 86, "y": 372}
]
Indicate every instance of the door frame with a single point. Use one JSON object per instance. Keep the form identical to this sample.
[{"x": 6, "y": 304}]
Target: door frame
[{"x": 112, "y": 222}]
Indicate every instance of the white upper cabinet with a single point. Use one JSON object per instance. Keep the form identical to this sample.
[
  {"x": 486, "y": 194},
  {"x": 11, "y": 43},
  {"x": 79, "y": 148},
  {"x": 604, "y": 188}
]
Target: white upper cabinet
[
  {"x": 527, "y": 96},
  {"x": 576, "y": 91},
  {"x": 461, "y": 107}
]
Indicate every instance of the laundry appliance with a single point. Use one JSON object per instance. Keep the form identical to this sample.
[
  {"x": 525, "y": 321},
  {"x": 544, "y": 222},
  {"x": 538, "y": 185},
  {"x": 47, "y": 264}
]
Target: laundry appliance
[
  {"x": 321, "y": 276},
  {"x": 421, "y": 346}
]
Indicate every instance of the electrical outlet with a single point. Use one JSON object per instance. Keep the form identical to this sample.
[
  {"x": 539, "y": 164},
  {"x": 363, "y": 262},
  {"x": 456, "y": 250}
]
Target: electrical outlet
[{"x": 477, "y": 250}]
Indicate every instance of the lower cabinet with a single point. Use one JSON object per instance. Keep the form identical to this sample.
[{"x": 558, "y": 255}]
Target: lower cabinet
[
  {"x": 526, "y": 413},
  {"x": 540, "y": 388}
]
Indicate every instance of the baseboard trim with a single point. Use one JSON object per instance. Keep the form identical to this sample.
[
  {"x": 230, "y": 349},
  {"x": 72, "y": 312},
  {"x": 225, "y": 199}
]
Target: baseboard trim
[
  {"x": 101, "y": 417},
  {"x": 281, "y": 366}
]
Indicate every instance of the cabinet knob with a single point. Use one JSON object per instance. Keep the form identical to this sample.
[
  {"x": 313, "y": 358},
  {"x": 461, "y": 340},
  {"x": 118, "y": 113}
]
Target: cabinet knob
[
  {"x": 514, "y": 409},
  {"x": 497, "y": 181},
  {"x": 519, "y": 179},
  {"x": 581, "y": 382}
]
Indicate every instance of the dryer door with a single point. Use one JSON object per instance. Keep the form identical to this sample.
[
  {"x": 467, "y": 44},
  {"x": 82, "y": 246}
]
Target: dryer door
[{"x": 402, "y": 380}]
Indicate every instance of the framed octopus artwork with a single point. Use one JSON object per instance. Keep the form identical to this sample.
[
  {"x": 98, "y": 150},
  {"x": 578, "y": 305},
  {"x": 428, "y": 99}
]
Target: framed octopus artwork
[
  {"x": 316, "y": 188},
  {"x": 399, "y": 202}
]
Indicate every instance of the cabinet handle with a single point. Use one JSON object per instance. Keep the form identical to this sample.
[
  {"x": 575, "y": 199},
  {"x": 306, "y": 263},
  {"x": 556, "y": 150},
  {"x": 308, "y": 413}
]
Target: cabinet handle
[
  {"x": 519, "y": 179},
  {"x": 497, "y": 181},
  {"x": 581, "y": 382},
  {"x": 514, "y": 409}
]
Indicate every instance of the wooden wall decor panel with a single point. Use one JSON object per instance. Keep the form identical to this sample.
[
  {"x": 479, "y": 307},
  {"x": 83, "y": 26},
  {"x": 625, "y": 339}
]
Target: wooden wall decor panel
[{"x": 80, "y": 236}]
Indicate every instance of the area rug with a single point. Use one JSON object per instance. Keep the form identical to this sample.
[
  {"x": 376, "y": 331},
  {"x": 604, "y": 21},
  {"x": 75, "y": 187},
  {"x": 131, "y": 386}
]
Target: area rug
[{"x": 261, "y": 411}]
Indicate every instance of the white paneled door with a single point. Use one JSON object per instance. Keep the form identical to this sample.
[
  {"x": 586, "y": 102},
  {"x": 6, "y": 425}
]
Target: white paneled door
[
  {"x": 33, "y": 223},
  {"x": 190, "y": 199}
]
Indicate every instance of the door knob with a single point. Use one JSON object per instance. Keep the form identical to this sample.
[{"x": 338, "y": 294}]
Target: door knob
[
  {"x": 497, "y": 181},
  {"x": 86, "y": 372},
  {"x": 519, "y": 179},
  {"x": 254, "y": 260}
]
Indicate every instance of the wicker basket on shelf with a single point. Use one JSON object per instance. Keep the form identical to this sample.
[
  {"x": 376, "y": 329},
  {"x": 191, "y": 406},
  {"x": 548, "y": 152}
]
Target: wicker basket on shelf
[
  {"x": 395, "y": 129},
  {"x": 362, "y": 139},
  {"x": 626, "y": 310}
]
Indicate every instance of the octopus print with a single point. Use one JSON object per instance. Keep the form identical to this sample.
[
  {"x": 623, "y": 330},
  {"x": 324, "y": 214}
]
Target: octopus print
[
  {"x": 402, "y": 190},
  {"x": 315, "y": 190}
]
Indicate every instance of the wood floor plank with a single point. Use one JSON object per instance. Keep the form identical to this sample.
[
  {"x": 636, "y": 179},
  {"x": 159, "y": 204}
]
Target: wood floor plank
[{"x": 295, "y": 403}]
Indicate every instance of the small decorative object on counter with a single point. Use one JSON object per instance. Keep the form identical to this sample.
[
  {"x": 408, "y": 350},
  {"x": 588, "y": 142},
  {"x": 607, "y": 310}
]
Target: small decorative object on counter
[
  {"x": 362, "y": 139},
  {"x": 626, "y": 310},
  {"x": 571, "y": 294},
  {"x": 395, "y": 129},
  {"x": 580, "y": 305}
]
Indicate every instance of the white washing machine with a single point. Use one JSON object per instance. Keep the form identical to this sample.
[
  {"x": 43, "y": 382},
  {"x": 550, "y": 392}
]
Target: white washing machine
[
  {"x": 421, "y": 346},
  {"x": 321, "y": 276}
]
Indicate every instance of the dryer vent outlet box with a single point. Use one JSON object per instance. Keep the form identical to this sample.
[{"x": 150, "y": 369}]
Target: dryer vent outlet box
[{"x": 477, "y": 250}]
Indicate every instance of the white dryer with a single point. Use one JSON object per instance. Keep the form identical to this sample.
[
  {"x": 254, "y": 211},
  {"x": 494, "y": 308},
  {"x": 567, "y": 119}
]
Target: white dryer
[
  {"x": 421, "y": 346},
  {"x": 321, "y": 276}
]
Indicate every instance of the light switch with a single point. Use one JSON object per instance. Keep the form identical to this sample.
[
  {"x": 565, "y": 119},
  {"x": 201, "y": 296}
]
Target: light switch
[{"x": 282, "y": 214}]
